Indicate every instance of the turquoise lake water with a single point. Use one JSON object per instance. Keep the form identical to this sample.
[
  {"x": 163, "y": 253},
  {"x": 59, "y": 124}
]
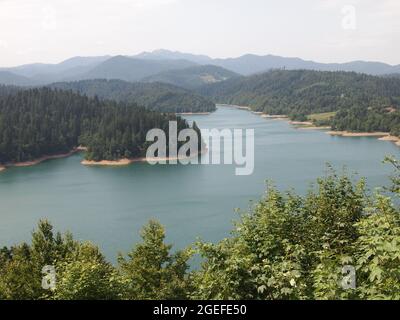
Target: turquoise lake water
[{"x": 109, "y": 205}]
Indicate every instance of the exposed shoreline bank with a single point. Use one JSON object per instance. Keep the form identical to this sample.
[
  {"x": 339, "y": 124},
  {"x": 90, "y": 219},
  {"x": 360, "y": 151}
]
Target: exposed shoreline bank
[
  {"x": 275, "y": 117},
  {"x": 259, "y": 113},
  {"x": 314, "y": 128},
  {"x": 395, "y": 140},
  {"x": 308, "y": 125},
  {"x": 126, "y": 161},
  {"x": 382, "y": 136},
  {"x": 358, "y": 134},
  {"x": 193, "y": 113},
  {"x": 41, "y": 159},
  {"x": 235, "y": 106}
]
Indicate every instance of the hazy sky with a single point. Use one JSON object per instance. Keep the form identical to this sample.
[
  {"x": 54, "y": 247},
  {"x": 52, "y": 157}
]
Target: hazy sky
[{"x": 321, "y": 30}]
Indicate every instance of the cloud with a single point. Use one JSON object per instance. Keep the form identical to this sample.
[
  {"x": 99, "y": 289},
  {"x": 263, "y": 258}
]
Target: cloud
[
  {"x": 49, "y": 18},
  {"x": 149, "y": 3},
  {"x": 311, "y": 29},
  {"x": 3, "y": 44}
]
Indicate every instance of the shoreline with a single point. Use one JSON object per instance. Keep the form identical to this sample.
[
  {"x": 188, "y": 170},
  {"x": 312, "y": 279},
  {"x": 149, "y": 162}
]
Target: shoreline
[
  {"x": 394, "y": 139},
  {"x": 358, "y": 134},
  {"x": 111, "y": 163},
  {"x": 258, "y": 113},
  {"x": 126, "y": 161},
  {"x": 41, "y": 159},
  {"x": 301, "y": 123},
  {"x": 234, "y": 106},
  {"x": 193, "y": 113},
  {"x": 275, "y": 117},
  {"x": 308, "y": 125},
  {"x": 381, "y": 136},
  {"x": 314, "y": 128}
]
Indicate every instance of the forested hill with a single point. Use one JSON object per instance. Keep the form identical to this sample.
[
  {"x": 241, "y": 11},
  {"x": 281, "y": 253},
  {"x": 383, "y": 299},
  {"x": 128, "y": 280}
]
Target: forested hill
[
  {"x": 6, "y": 90},
  {"x": 39, "y": 122},
  {"x": 392, "y": 75},
  {"x": 372, "y": 101},
  {"x": 193, "y": 77},
  {"x": 154, "y": 96}
]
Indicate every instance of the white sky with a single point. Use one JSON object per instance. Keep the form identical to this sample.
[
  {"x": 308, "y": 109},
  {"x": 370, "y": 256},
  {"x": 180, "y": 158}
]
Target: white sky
[{"x": 54, "y": 30}]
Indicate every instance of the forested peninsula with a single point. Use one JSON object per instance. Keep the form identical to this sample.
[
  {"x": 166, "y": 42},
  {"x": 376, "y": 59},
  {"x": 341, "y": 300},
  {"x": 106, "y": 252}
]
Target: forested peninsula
[{"x": 43, "y": 122}]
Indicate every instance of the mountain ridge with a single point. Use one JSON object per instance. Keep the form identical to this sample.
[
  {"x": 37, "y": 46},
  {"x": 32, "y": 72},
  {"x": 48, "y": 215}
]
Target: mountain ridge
[{"x": 146, "y": 64}]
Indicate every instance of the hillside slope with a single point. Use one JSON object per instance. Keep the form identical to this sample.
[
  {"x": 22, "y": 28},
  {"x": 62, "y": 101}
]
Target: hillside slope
[
  {"x": 154, "y": 96},
  {"x": 9, "y": 78},
  {"x": 305, "y": 92},
  {"x": 193, "y": 77},
  {"x": 129, "y": 69}
]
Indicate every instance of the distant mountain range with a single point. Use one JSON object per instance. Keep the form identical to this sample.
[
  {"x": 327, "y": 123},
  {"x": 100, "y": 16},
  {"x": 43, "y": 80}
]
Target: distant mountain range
[
  {"x": 250, "y": 63},
  {"x": 173, "y": 67},
  {"x": 9, "y": 78},
  {"x": 40, "y": 73},
  {"x": 132, "y": 69}
]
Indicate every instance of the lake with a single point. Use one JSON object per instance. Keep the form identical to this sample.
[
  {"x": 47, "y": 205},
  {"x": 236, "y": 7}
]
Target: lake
[{"x": 109, "y": 205}]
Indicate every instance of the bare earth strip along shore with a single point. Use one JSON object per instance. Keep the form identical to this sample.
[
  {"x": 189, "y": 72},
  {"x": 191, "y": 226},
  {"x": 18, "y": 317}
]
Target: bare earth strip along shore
[
  {"x": 41, "y": 159},
  {"x": 314, "y": 128},
  {"x": 193, "y": 113},
  {"x": 125, "y": 161},
  {"x": 308, "y": 125},
  {"x": 394, "y": 139},
  {"x": 382, "y": 136},
  {"x": 358, "y": 134},
  {"x": 112, "y": 163},
  {"x": 261, "y": 114}
]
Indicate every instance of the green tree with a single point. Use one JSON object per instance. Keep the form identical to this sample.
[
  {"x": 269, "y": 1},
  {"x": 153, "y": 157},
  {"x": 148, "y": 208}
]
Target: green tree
[
  {"x": 21, "y": 269},
  {"x": 151, "y": 271},
  {"x": 287, "y": 247},
  {"x": 86, "y": 275},
  {"x": 378, "y": 252}
]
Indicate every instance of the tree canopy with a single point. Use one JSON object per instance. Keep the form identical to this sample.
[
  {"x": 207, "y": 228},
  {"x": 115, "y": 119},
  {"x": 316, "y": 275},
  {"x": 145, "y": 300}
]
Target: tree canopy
[{"x": 154, "y": 96}]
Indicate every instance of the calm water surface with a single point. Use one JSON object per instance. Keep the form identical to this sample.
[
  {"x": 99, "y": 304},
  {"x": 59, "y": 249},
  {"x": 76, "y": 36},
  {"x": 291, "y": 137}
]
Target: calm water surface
[{"x": 109, "y": 205}]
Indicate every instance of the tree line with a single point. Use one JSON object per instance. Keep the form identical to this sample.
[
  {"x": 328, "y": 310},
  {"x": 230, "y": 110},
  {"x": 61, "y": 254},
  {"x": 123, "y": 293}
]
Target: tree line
[
  {"x": 286, "y": 247},
  {"x": 358, "y": 118},
  {"x": 40, "y": 122}
]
